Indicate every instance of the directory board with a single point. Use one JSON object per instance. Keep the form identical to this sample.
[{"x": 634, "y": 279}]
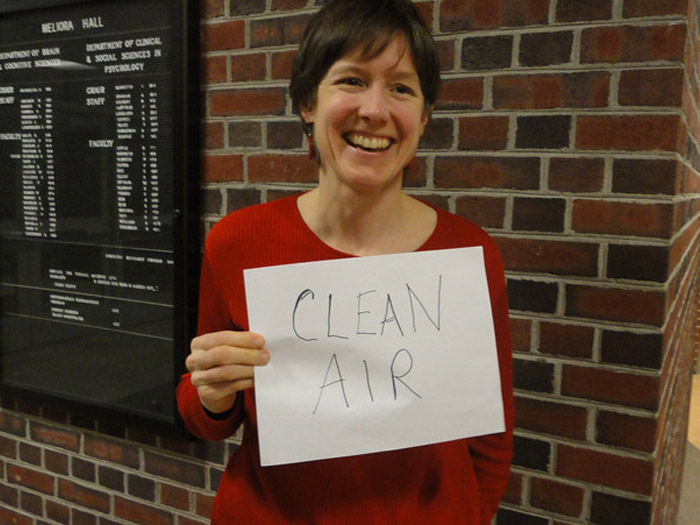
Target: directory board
[{"x": 98, "y": 194}]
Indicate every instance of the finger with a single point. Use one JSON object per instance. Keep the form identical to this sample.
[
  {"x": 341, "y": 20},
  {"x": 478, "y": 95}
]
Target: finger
[
  {"x": 222, "y": 374},
  {"x": 224, "y": 356},
  {"x": 228, "y": 338},
  {"x": 220, "y": 397}
]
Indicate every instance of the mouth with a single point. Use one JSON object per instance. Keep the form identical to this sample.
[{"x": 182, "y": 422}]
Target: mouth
[{"x": 372, "y": 144}]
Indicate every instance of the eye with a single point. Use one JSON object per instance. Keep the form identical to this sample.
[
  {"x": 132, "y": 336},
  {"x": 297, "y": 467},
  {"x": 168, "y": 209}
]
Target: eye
[
  {"x": 403, "y": 89},
  {"x": 351, "y": 81}
]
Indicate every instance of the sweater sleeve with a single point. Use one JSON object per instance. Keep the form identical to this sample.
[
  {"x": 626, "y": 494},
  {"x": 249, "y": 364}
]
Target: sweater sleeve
[
  {"x": 213, "y": 316},
  {"x": 492, "y": 454}
]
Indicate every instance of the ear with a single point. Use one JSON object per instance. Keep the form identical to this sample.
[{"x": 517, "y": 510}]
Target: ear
[
  {"x": 307, "y": 114},
  {"x": 425, "y": 118}
]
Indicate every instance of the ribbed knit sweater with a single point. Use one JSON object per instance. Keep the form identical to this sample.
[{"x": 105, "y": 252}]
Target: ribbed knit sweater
[{"x": 457, "y": 482}]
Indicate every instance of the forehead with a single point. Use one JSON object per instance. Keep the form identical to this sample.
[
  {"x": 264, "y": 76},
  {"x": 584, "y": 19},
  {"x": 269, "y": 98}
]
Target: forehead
[{"x": 392, "y": 55}]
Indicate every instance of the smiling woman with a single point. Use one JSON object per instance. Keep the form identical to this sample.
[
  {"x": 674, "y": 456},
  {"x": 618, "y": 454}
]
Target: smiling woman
[{"x": 364, "y": 84}]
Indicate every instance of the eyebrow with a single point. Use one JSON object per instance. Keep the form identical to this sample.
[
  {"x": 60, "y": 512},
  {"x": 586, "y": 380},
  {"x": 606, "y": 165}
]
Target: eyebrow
[{"x": 401, "y": 75}]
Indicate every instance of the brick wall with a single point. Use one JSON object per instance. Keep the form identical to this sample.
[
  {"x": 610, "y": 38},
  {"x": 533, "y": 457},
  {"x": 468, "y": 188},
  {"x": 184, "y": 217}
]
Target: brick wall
[{"x": 570, "y": 130}]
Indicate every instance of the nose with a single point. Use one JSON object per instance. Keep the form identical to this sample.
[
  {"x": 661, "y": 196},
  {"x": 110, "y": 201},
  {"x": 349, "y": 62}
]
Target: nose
[{"x": 374, "y": 106}]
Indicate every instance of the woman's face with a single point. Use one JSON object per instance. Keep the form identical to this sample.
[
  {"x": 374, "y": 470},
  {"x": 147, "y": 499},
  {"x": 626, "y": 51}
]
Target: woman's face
[{"x": 368, "y": 117}]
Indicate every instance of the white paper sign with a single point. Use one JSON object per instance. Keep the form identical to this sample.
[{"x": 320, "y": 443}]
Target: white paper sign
[{"x": 371, "y": 354}]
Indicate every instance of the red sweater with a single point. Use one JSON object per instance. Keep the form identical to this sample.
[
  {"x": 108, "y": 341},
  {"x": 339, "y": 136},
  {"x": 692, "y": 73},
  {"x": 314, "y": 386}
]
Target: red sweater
[{"x": 458, "y": 482}]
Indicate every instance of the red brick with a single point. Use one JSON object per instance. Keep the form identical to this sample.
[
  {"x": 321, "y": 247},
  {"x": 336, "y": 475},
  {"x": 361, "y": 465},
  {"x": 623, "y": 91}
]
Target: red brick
[
  {"x": 249, "y": 134},
  {"x": 139, "y": 513},
  {"x": 457, "y": 15},
  {"x": 622, "y": 218},
  {"x": 613, "y": 304},
  {"x": 212, "y": 8},
  {"x": 12, "y": 424},
  {"x": 241, "y": 198},
  {"x": 281, "y": 168},
  {"x": 624, "y": 430},
  {"x": 245, "y": 68},
  {"x": 181, "y": 520},
  {"x": 619, "y": 472},
  {"x": 214, "y": 70},
  {"x": 633, "y": 43},
  {"x": 573, "y": 90},
  {"x": 265, "y": 101},
  {"x": 247, "y": 7},
  {"x": 483, "y": 133},
  {"x": 219, "y": 36},
  {"x": 282, "y": 63},
  {"x": 121, "y": 453},
  {"x": 528, "y": 91},
  {"x": 63, "y": 438},
  {"x": 542, "y": 214},
  {"x": 682, "y": 245},
  {"x": 547, "y": 417},
  {"x": 583, "y": 10},
  {"x": 57, "y": 512},
  {"x": 288, "y": 5},
  {"x": 87, "y": 497},
  {"x": 15, "y": 518},
  {"x": 644, "y": 350},
  {"x": 213, "y": 135},
  {"x": 514, "y": 490},
  {"x": 521, "y": 173},
  {"x": 488, "y": 52},
  {"x": 446, "y": 53},
  {"x": 627, "y": 133},
  {"x": 437, "y": 135},
  {"x": 566, "y": 340},
  {"x": 211, "y": 202},
  {"x": 277, "y": 31},
  {"x": 520, "y": 334},
  {"x": 462, "y": 93},
  {"x": 645, "y": 176},
  {"x": 203, "y": 504},
  {"x": 280, "y": 135},
  {"x": 8, "y": 494},
  {"x": 545, "y": 256},
  {"x": 608, "y": 508},
  {"x": 554, "y": 496},
  {"x": 56, "y": 462},
  {"x": 651, "y": 87},
  {"x": 175, "y": 497},
  {"x": 637, "y": 262},
  {"x": 31, "y": 479},
  {"x": 31, "y": 503},
  {"x": 546, "y": 49},
  {"x": 439, "y": 201},
  {"x": 8, "y": 447},
  {"x": 222, "y": 168},
  {"x": 525, "y": 12},
  {"x": 487, "y": 212},
  {"x": 640, "y": 8},
  {"x": 608, "y": 386},
  {"x": 415, "y": 174},
  {"x": 175, "y": 469},
  {"x": 576, "y": 175},
  {"x": 425, "y": 10}
]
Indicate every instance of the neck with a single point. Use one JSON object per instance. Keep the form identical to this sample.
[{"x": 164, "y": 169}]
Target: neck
[{"x": 368, "y": 223}]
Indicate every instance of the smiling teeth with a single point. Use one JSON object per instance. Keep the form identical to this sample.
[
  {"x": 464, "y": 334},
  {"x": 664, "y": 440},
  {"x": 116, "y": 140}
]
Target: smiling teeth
[{"x": 370, "y": 143}]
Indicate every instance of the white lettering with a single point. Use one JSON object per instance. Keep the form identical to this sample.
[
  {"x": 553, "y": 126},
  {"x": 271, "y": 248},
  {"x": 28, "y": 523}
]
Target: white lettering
[{"x": 57, "y": 27}]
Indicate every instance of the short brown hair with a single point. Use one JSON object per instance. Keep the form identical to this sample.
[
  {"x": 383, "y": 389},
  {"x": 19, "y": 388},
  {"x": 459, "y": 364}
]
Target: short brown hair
[{"x": 342, "y": 25}]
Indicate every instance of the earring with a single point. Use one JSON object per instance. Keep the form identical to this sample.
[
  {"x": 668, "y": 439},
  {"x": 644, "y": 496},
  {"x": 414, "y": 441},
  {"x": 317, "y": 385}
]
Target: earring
[{"x": 310, "y": 137}]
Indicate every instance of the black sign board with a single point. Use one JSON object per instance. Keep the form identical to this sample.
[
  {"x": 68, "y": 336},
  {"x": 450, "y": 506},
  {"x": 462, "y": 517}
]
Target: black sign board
[{"x": 98, "y": 195}]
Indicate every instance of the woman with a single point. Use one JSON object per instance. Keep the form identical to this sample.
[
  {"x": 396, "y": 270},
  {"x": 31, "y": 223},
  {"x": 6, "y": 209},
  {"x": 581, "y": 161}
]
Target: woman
[{"x": 364, "y": 82}]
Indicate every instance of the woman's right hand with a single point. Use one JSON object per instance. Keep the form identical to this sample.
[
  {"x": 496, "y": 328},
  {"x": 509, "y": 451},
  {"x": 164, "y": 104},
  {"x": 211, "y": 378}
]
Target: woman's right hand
[{"x": 221, "y": 364}]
